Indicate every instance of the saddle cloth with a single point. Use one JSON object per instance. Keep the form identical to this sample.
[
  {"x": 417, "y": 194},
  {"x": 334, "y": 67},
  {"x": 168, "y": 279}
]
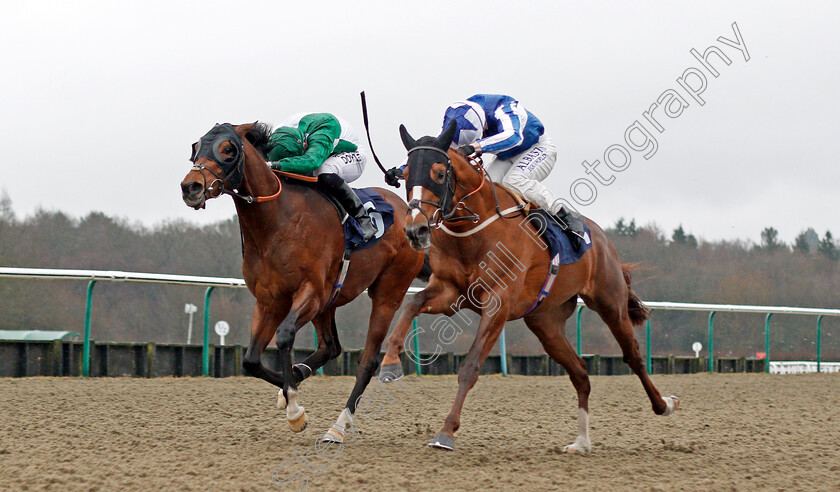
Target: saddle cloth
[
  {"x": 557, "y": 240},
  {"x": 381, "y": 214}
]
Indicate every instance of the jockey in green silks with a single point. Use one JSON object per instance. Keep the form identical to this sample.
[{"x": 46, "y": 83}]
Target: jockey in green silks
[{"x": 323, "y": 145}]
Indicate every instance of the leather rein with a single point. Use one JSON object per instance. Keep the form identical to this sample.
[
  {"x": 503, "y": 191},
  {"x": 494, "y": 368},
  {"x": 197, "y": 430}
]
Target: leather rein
[{"x": 240, "y": 169}]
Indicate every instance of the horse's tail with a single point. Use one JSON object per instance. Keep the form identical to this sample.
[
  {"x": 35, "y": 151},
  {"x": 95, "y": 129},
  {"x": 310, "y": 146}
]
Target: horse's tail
[
  {"x": 426, "y": 271},
  {"x": 635, "y": 307}
]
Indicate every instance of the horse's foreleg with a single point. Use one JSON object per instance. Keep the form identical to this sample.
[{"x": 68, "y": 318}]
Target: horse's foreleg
[
  {"x": 304, "y": 307},
  {"x": 262, "y": 327},
  {"x": 380, "y": 319},
  {"x": 438, "y": 297},
  {"x": 488, "y": 333},
  {"x": 391, "y": 365}
]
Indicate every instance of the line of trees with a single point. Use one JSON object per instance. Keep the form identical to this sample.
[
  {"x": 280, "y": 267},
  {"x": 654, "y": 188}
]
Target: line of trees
[
  {"x": 670, "y": 267},
  {"x": 681, "y": 268}
]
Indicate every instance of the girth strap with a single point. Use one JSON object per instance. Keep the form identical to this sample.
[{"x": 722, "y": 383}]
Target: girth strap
[
  {"x": 342, "y": 273},
  {"x": 553, "y": 269}
]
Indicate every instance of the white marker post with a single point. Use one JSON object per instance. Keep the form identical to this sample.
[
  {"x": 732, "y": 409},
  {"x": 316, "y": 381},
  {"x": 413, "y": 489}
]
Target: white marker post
[
  {"x": 222, "y": 328},
  {"x": 696, "y": 347},
  {"x": 190, "y": 309}
]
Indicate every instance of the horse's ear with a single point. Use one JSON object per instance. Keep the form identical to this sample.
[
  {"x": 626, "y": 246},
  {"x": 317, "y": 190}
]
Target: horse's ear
[
  {"x": 445, "y": 139},
  {"x": 409, "y": 142},
  {"x": 243, "y": 129}
]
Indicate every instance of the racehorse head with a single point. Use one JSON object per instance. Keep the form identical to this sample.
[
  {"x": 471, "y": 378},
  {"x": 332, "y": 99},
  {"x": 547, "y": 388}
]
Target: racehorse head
[
  {"x": 429, "y": 184},
  {"x": 218, "y": 161}
]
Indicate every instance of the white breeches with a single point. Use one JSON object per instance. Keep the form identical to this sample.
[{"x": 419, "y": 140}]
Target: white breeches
[
  {"x": 524, "y": 173},
  {"x": 348, "y": 165}
]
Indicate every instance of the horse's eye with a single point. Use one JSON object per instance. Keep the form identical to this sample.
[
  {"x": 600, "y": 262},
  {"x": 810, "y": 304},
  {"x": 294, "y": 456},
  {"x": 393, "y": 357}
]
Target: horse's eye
[{"x": 441, "y": 174}]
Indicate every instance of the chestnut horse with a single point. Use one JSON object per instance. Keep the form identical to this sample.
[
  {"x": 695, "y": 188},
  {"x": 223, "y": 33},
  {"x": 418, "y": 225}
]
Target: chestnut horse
[
  {"x": 293, "y": 247},
  {"x": 455, "y": 212}
]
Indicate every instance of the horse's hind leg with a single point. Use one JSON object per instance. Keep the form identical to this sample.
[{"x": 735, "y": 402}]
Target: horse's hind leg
[
  {"x": 553, "y": 339},
  {"x": 614, "y": 312},
  {"x": 328, "y": 349}
]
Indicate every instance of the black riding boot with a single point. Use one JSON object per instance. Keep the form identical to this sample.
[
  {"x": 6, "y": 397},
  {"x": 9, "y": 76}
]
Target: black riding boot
[
  {"x": 348, "y": 199},
  {"x": 572, "y": 224}
]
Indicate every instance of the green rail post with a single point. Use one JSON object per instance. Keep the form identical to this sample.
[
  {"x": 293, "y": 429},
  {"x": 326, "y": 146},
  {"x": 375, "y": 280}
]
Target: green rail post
[
  {"x": 416, "y": 342},
  {"x": 819, "y": 336},
  {"x": 315, "y": 337},
  {"x": 647, "y": 347},
  {"x": 205, "y": 352},
  {"x": 767, "y": 343},
  {"x": 711, "y": 342},
  {"x": 577, "y": 324},
  {"x": 503, "y": 352},
  {"x": 86, "y": 345}
]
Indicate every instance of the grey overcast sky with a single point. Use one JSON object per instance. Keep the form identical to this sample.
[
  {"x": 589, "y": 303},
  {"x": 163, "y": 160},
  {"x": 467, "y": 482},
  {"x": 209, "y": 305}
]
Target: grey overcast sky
[{"x": 100, "y": 100}]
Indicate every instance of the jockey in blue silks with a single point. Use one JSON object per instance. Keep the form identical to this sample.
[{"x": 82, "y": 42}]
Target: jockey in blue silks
[{"x": 497, "y": 124}]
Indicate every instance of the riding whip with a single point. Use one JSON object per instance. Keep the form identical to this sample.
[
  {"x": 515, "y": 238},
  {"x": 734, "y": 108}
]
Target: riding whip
[{"x": 367, "y": 130}]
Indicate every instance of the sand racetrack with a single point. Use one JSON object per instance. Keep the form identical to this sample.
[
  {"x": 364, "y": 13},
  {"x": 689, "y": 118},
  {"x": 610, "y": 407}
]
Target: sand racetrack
[{"x": 751, "y": 431}]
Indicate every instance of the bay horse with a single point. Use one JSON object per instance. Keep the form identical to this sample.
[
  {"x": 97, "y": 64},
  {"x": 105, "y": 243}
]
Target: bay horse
[
  {"x": 293, "y": 248},
  {"x": 494, "y": 266}
]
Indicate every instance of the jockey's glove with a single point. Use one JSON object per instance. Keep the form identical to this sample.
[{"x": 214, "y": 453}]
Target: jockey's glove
[
  {"x": 469, "y": 150},
  {"x": 393, "y": 176}
]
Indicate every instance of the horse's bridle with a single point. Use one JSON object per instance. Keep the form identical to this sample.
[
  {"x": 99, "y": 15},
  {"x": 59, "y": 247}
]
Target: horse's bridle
[
  {"x": 232, "y": 167},
  {"x": 446, "y": 191},
  {"x": 439, "y": 216}
]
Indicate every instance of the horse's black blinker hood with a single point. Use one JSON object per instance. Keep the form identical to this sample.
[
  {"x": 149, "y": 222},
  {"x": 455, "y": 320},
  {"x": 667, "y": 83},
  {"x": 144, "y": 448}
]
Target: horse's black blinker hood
[
  {"x": 208, "y": 147},
  {"x": 420, "y": 171}
]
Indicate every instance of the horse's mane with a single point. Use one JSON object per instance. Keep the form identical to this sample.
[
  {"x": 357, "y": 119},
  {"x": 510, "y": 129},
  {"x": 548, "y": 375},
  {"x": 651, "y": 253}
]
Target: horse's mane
[{"x": 258, "y": 136}]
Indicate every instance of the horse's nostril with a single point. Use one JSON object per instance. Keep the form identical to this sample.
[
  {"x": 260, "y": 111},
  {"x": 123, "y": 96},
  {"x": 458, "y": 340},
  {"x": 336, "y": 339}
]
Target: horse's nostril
[
  {"x": 417, "y": 232},
  {"x": 191, "y": 189}
]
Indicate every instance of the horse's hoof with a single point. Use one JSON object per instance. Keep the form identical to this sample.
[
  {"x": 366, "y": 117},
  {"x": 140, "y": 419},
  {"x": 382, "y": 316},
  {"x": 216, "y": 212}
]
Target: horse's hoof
[
  {"x": 391, "y": 373},
  {"x": 281, "y": 400},
  {"x": 333, "y": 435},
  {"x": 443, "y": 441},
  {"x": 575, "y": 449},
  {"x": 301, "y": 371},
  {"x": 581, "y": 445},
  {"x": 672, "y": 404},
  {"x": 300, "y": 423}
]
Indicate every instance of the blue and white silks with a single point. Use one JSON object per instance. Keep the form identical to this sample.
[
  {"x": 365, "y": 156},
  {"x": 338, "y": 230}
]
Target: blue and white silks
[{"x": 509, "y": 129}]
